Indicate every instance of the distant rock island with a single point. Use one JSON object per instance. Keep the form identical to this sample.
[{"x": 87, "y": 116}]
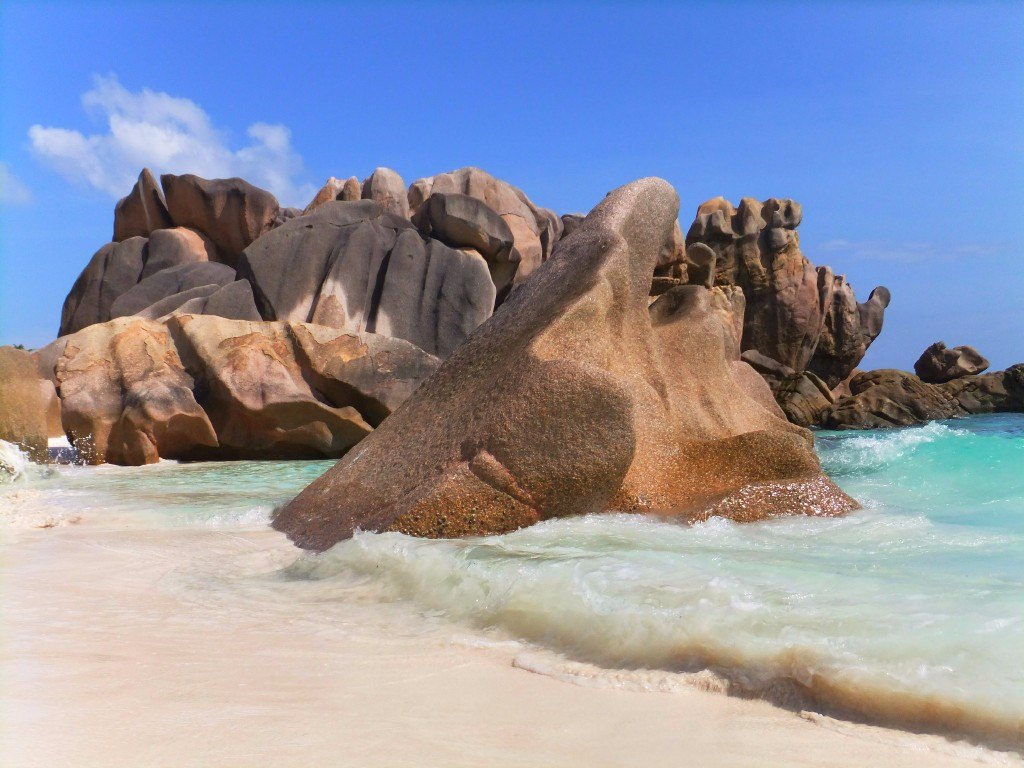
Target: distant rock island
[{"x": 218, "y": 325}]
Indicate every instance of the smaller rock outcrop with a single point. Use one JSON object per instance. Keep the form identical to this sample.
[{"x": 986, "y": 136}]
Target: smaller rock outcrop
[
  {"x": 232, "y": 213},
  {"x": 289, "y": 390},
  {"x": 939, "y": 364},
  {"x": 142, "y": 211},
  {"x": 386, "y": 187},
  {"x": 176, "y": 246},
  {"x": 27, "y": 403}
]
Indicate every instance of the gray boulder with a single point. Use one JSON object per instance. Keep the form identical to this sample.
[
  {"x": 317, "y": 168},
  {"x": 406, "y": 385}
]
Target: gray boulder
[
  {"x": 167, "y": 283},
  {"x": 356, "y": 267},
  {"x": 112, "y": 271}
]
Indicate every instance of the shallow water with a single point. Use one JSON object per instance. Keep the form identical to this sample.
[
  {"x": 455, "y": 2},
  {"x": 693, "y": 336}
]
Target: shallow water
[{"x": 909, "y": 612}]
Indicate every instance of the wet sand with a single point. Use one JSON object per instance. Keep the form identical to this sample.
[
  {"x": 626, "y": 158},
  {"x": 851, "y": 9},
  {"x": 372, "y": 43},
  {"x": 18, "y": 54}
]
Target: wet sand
[{"x": 187, "y": 648}]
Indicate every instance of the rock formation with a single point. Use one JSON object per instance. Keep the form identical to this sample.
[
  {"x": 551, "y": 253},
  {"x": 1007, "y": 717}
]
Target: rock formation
[
  {"x": 892, "y": 398},
  {"x": 803, "y": 317},
  {"x": 604, "y": 404},
  {"x": 27, "y": 403},
  {"x": 133, "y": 390},
  {"x": 114, "y": 269},
  {"x": 534, "y": 230},
  {"x": 938, "y": 364}
]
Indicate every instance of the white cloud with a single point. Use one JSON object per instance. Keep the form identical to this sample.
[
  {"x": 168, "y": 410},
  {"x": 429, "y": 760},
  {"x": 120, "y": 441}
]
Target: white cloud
[
  {"x": 12, "y": 190},
  {"x": 168, "y": 134}
]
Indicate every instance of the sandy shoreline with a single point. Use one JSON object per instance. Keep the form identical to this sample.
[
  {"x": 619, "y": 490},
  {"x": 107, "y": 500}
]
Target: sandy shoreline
[{"x": 117, "y": 650}]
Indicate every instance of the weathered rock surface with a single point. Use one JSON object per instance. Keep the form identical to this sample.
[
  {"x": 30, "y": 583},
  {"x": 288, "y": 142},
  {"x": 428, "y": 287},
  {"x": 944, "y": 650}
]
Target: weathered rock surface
[
  {"x": 849, "y": 329},
  {"x": 232, "y": 213},
  {"x": 804, "y": 398},
  {"x": 939, "y": 364},
  {"x": 112, "y": 271},
  {"x": 125, "y": 397},
  {"x": 534, "y": 230},
  {"x": 173, "y": 247},
  {"x": 283, "y": 390},
  {"x": 891, "y": 398},
  {"x": 357, "y": 267},
  {"x": 997, "y": 392},
  {"x": 27, "y": 401},
  {"x": 387, "y": 188},
  {"x": 802, "y": 317},
  {"x": 169, "y": 282},
  {"x": 464, "y": 222},
  {"x": 233, "y": 301},
  {"x": 604, "y": 404},
  {"x": 142, "y": 211}
]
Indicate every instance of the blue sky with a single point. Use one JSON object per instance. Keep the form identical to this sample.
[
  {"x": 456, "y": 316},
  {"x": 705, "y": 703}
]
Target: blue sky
[{"x": 900, "y": 128}]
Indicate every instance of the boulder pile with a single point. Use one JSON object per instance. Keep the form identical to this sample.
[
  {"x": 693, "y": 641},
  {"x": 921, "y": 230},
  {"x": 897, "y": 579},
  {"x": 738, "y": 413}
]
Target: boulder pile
[
  {"x": 219, "y": 324},
  {"x": 607, "y": 401}
]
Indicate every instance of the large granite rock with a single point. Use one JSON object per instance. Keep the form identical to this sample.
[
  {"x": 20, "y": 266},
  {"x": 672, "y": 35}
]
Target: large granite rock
[
  {"x": 283, "y": 390},
  {"x": 534, "y": 230},
  {"x": 355, "y": 266},
  {"x": 27, "y": 400},
  {"x": 143, "y": 211},
  {"x": 802, "y": 317},
  {"x": 176, "y": 246},
  {"x": 232, "y": 213},
  {"x": 386, "y": 187},
  {"x": 168, "y": 282},
  {"x": 125, "y": 397},
  {"x": 112, "y": 271},
  {"x": 575, "y": 398},
  {"x": 939, "y": 364}
]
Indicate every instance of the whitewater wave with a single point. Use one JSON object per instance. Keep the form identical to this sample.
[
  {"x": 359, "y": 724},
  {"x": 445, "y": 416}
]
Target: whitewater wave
[
  {"x": 852, "y": 453},
  {"x": 810, "y": 614},
  {"x": 14, "y": 462}
]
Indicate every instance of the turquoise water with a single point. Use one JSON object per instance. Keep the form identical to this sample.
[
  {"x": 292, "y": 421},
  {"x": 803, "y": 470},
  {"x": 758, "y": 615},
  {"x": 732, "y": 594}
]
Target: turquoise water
[{"x": 908, "y": 612}]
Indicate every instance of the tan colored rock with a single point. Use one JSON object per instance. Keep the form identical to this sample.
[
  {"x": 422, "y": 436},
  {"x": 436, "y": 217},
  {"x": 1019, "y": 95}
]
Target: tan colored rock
[
  {"x": 125, "y": 397},
  {"x": 387, "y": 188},
  {"x": 176, "y": 246},
  {"x": 230, "y": 212},
  {"x": 27, "y": 400},
  {"x": 143, "y": 211},
  {"x": 331, "y": 190},
  {"x": 800, "y": 316},
  {"x": 535, "y": 230},
  {"x": 260, "y": 404},
  {"x": 577, "y": 398}
]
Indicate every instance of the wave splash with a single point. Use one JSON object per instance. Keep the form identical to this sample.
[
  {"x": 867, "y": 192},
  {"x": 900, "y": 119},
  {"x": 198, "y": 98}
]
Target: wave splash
[{"x": 770, "y": 610}]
